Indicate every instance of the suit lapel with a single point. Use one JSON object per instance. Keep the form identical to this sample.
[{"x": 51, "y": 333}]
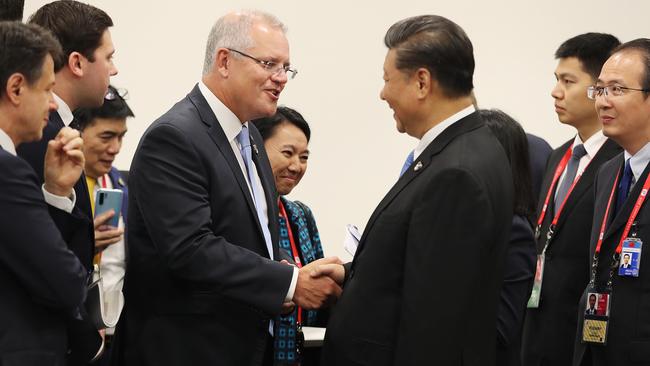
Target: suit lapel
[
  {"x": 219, "y": 138},
  {"x": 420, "y": 164},
  {"x": 606, "y": 152}
]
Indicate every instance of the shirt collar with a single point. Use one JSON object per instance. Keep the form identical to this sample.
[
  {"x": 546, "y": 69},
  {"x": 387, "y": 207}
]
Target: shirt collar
[
  {"x": 64, "y": 111},
  {"x": 6, "y": 143},
  {"x": 230, "y": 124},
  {"x": 436, "y": 130},
  {"x": 593, "y": 143},
  {"x": 639, "y": 160}
]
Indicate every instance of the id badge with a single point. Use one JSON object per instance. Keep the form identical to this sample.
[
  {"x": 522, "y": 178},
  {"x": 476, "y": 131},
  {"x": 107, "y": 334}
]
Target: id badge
[
  {"x": 596, "y": 318},
  {"x": 536, "y": 293},
  {"x": 630, "y": 258}
]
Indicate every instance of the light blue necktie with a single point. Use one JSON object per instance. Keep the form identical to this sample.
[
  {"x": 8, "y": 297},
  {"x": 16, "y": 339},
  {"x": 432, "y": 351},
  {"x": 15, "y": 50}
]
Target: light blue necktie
[
  {"x": 258, "y": 195},
  {"x": 407, "y": 163}
]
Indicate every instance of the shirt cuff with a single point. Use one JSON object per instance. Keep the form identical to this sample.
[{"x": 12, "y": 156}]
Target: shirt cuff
[
  {"x": 62, "y": 203},
  {"x": 292, "y": 287}
]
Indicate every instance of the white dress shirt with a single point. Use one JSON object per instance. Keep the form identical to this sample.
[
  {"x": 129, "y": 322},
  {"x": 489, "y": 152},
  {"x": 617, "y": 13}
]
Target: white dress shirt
[
  {"x": 232, "y": 126},
  {"x": 436, "y": 130}
]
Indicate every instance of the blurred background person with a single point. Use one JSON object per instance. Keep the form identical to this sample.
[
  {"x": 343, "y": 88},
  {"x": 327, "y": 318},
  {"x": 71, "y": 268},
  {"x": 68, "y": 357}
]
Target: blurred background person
[
  {"x": 103, "y": 129},
  {"x": 286, "y": 137},
  {"x": 519, "y": 268}
]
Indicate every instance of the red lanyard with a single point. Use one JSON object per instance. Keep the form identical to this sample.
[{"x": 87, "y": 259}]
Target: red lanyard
[
  {"x": 294, "y": 249},
  {"x": 558, "y": 173},
  {"x": 630, "y": 220}
]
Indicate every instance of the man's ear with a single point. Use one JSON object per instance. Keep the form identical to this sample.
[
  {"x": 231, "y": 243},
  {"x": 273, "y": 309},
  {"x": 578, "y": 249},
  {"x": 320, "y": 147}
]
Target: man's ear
[
  {"x": 15, "y": 87},
  {"x": 76, "y": 63},
  {"x": 222, "y": 62},
  {"x": 424, "y": 82}
]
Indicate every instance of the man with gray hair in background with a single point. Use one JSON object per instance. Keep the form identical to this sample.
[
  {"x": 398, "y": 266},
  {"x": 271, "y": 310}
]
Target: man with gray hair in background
[{"x": 204, "y": 278}]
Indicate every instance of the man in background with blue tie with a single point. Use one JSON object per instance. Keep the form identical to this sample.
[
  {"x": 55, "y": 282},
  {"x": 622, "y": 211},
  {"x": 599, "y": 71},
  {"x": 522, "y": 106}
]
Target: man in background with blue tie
[
  {"x": 423, "y": 286},
  {"x": 204, "y": 279},
  {"x": 621, "y": 214}
]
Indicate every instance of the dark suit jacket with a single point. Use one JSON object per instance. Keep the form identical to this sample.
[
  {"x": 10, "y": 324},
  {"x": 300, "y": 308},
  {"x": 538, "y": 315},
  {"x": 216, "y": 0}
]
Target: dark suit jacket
[
  {"x": 628, "y": 341},
  {"x": 42, "y": 282},
  {"x": 200, "y": 289},
  {"x": 406, "y": 299},
  {"x": 538, "y": 151},
  {"x": 550, "y": 329},
  {"x": 78, "y": 232},
  {"x": 519, "y": 272}
]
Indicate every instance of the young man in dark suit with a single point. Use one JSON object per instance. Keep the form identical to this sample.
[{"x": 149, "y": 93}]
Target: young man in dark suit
[
  {"x": 43, "y": 283},
  {"x": 564, "y": 213},
  {"x": 81, "y": 81},
  {"x": 204, "y": 277},
  {"x": 404, "y": 302},
  {"x": 621, "y": 213}
]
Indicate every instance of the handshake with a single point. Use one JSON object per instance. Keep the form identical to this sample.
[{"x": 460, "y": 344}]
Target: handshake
[{"x": 319, "y": 284}]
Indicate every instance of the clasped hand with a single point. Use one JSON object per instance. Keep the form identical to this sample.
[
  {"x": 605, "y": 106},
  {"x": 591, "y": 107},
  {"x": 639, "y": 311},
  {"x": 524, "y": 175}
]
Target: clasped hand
[{"x": 319, "y": 284}]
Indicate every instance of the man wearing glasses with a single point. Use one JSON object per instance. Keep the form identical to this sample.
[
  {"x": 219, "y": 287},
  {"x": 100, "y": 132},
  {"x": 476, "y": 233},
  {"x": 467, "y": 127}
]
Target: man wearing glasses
[
  {"x": 204, "y": 278},
  {"x": 565, "y": 213},
  {"x": 621, "y": 215}
]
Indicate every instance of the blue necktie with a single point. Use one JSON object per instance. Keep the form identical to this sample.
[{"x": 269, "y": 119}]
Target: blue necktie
[
  {"x": 407, "y": 163},
  {"x": 624, "y": 186},
  {"x": 571, "y": 171},
  {"x": 258, "y": 196}
]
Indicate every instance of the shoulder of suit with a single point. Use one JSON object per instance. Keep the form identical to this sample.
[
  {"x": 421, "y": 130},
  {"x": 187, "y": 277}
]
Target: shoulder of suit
[{"x": 15, "y": 165}]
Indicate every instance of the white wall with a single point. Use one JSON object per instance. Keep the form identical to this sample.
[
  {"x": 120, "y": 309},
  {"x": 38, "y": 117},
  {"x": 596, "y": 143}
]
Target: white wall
[{"x": 338, "y": 48}]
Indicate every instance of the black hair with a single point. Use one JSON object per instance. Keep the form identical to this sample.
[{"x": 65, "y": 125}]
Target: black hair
[
  {"x": 267, "y": 125},
  {"x": 437, "y": 44},
  {"x": 78, "y": 26},
  {"x": 12, "y": 9},
  {"x": 24, "y": 50},
  {"x": 513, "y": 139},
  {"x": 591, "y": 49}
]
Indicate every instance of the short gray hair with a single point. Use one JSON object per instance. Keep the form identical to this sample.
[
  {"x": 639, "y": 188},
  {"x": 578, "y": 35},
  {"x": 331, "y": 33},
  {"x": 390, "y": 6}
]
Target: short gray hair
[{"x": 234, "y": 32}]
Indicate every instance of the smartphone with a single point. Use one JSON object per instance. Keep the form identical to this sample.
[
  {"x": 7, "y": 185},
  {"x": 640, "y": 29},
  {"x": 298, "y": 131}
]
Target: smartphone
[{"x": 109, "y": 199}]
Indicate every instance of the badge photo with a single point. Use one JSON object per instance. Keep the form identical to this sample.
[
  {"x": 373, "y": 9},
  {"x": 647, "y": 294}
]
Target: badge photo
[{"x": 630, "y": 258}]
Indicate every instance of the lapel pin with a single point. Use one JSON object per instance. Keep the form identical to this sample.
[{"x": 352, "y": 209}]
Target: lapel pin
[
  {"x": 418, "y": 166},
  {"x": 255, "y": 149},
  {"x": 120, "y": 181}
]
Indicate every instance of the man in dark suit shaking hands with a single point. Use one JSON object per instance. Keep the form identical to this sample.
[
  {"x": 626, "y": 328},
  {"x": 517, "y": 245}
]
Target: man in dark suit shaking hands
[
  {"x": 404, "y": 301},
  {"x": 204, "y": 278}
]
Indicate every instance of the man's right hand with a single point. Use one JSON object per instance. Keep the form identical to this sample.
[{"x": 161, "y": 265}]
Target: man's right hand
[
  {"x": 64, "y": 162},
  {"x": 315, "y": 292},
  {"x": 106, "y": 235}
]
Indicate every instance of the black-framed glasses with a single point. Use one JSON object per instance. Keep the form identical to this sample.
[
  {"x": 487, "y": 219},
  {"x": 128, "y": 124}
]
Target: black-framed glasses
[
  {"x": 113, "y": 93},
  {"x": 274, "y": 68},
  {"x": 595, "y": 91}
]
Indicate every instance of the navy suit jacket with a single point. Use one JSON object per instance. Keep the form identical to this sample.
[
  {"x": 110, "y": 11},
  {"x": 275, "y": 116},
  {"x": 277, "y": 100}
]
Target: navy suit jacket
[
  {"x": 538, "y": 151},
  {"x": 628, "y": 339},
  {"x": 77, "y": 231},
  {"x": 42, "y": 282},
  {"x": 406, "y": 301},
  {"x": 200, "y": 288}
]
